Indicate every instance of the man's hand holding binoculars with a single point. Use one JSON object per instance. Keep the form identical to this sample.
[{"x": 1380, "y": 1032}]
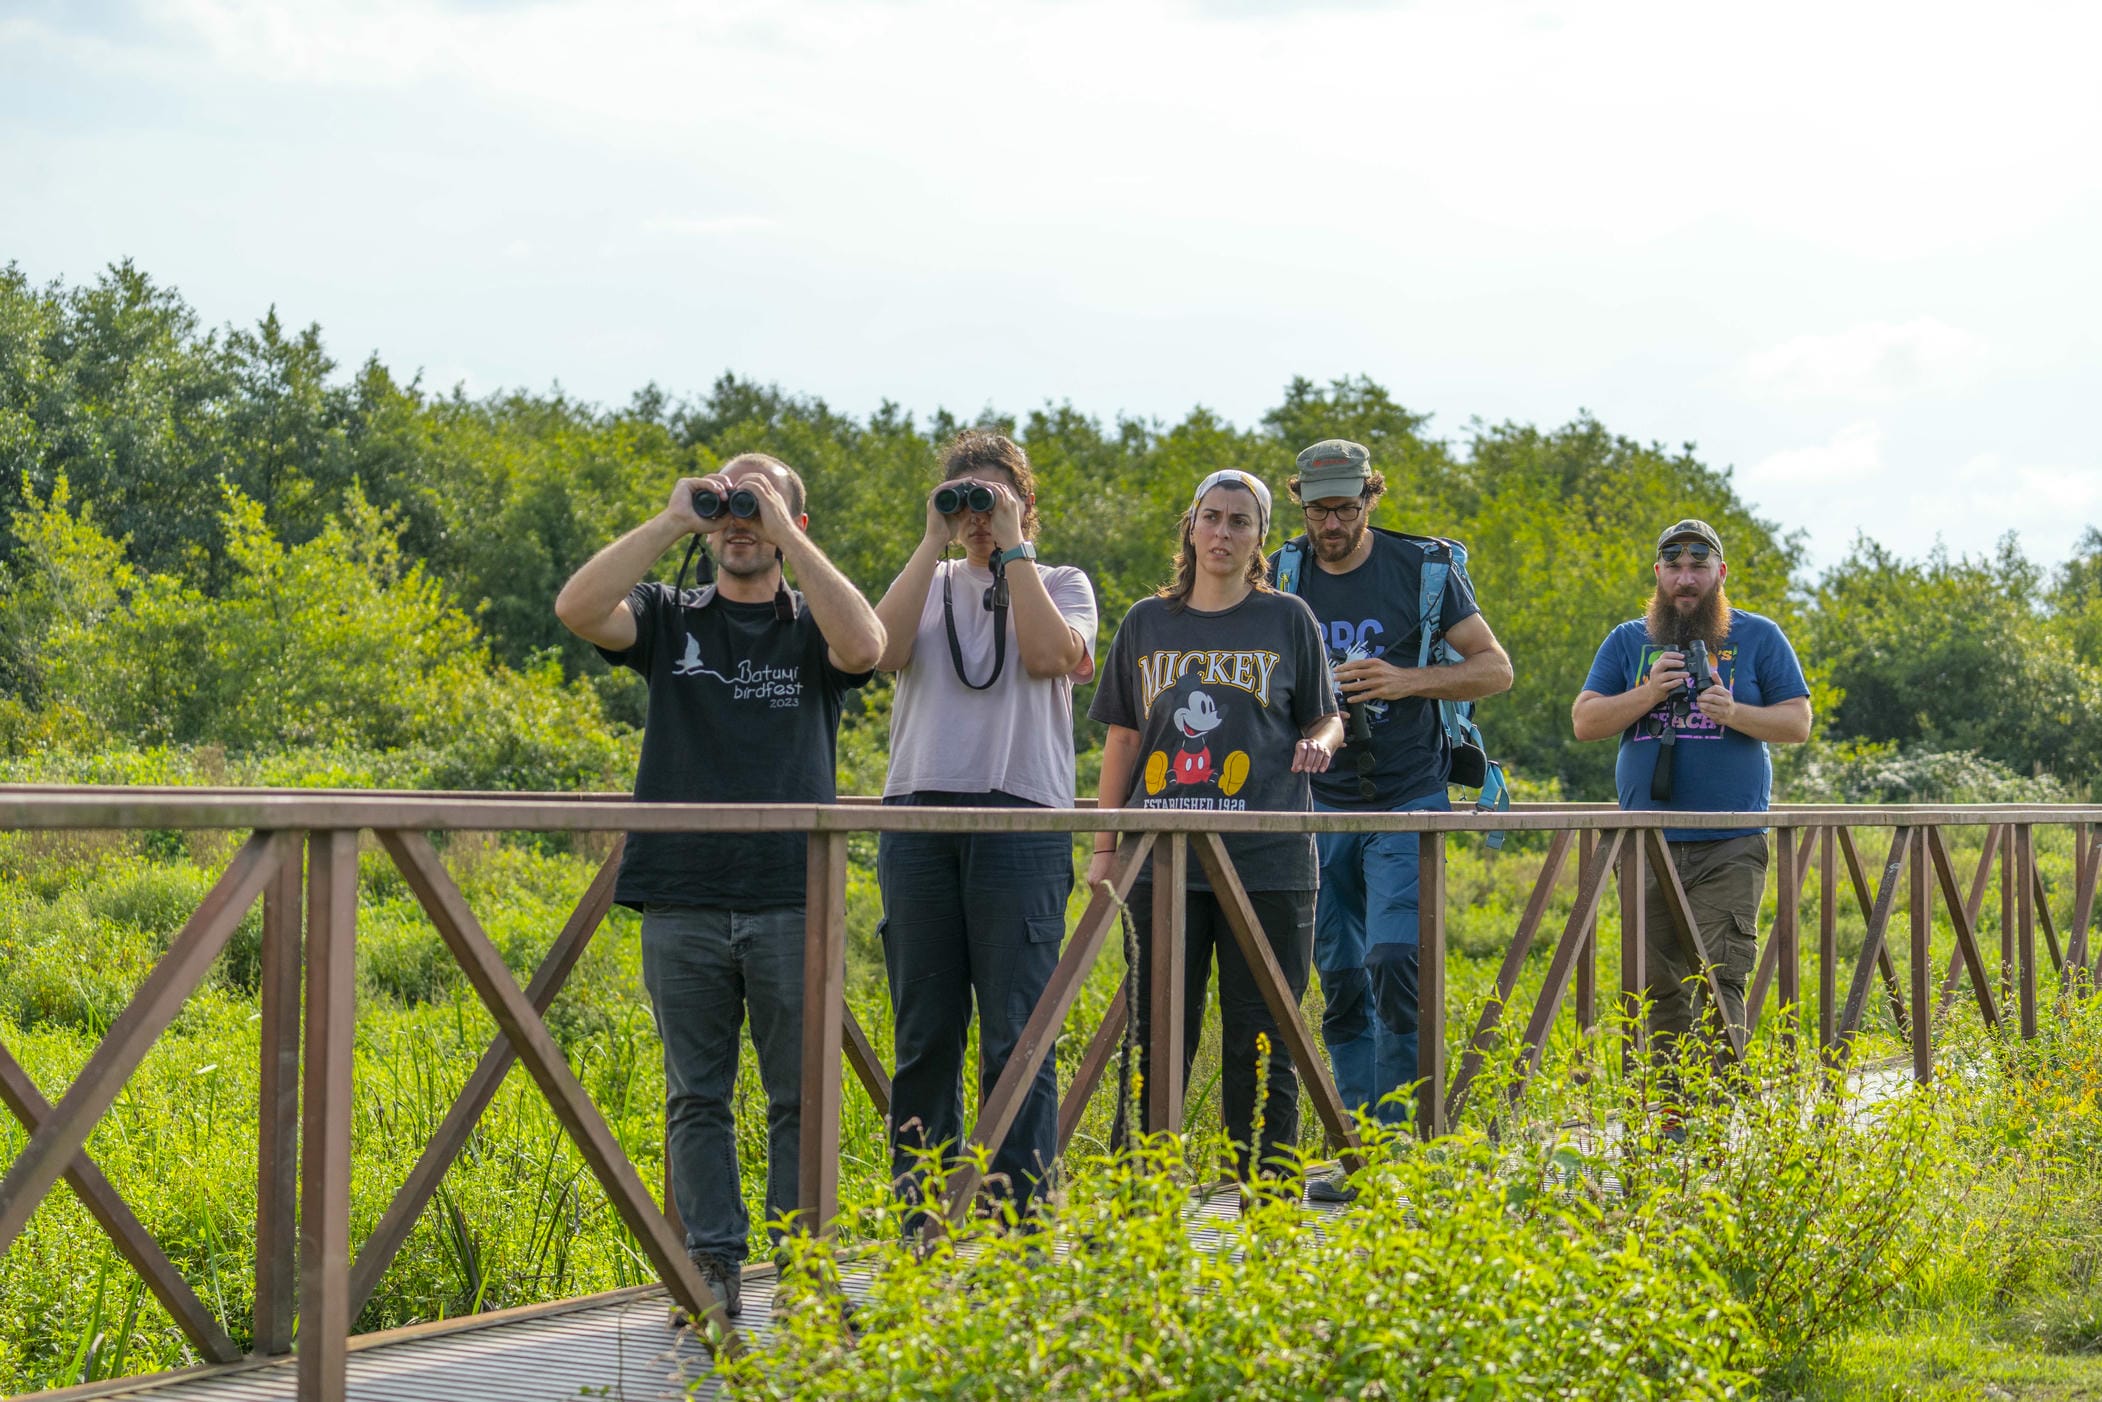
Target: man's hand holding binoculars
[{"x": 706, "y": 505}]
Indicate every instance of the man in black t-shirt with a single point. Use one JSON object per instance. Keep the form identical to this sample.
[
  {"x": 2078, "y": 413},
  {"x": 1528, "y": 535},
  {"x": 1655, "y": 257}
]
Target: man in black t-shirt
[
  {"x": 1365, "y": 587},
  {"x": 746, "y": 679}
]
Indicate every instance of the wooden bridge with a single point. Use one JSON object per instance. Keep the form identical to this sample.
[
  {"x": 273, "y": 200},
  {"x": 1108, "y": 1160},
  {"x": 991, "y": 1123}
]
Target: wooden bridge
[{"x": 300, "y": 861}]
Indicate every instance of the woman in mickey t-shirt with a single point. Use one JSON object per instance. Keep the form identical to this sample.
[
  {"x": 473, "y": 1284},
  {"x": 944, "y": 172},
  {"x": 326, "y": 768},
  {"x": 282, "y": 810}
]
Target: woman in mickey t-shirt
[{"x": 1217, "y": 694}]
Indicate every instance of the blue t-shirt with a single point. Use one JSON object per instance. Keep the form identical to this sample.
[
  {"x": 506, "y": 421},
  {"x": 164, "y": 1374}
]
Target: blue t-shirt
[
  {"x": 1372, "y": 612},
  {"x": 1717, "y": 770}
]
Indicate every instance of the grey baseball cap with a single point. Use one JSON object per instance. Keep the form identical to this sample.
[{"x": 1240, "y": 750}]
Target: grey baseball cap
[
  {"x": 1690, "y": 529},
  {"x": 1334, "y": 467}
]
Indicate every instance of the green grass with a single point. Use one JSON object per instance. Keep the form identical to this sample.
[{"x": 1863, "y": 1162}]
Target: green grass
[{"x": 82, "y": 917}]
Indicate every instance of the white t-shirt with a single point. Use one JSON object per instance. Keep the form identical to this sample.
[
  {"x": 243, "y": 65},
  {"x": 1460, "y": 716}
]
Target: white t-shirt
[{"x": 1016, "y": 736}]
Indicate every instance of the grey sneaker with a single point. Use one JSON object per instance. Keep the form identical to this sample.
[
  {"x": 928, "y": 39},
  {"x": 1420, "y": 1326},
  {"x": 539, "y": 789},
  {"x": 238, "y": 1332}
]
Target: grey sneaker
[
  {"x": 723, "y": 1277},
  {"x": 1335, "y": 1190}
]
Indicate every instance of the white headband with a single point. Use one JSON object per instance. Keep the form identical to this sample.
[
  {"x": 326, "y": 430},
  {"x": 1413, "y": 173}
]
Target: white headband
[{"x": 1233, "y": 477}]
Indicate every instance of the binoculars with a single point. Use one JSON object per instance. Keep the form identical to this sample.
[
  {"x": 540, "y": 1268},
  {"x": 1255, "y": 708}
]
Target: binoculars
[
  {"x": 708, "y": 503},
  {"x": 966, "y": 496},
  {"x": 1699, "y": 674}
]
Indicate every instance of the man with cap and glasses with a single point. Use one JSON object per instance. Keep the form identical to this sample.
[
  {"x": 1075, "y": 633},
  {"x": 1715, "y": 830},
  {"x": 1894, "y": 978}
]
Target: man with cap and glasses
[
  {"x": 1364, "y": 585},
  {"x": 1640, "y": 689}
]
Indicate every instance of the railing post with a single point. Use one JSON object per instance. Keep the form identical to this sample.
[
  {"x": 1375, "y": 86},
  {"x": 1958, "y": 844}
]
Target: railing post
[
  {"x": 1430, "y": 986},
  {"x": 1587, "y": 958},
  {"x": 2010, "y": 880},
  {"x": 1634, "y": 952},
  {"x": 1920, "y": 906},
  {"x": 2025, "y": 905},
  {"x": 824, "y": 1014},
  {"x": 1827, "y": 938},
  {"x": 277, "y": 1143},
  {"x": 1164, "y": 960},
  {"x": 324, "y": 1213},
  {"x": 1788, "y": 967}
]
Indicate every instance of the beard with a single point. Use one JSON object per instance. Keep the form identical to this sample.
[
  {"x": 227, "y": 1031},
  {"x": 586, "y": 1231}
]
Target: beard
[
  {"x": 744, "y": 562},
  {"x": 1707, "y": 621},
  {"x": 1331, "y": 551}
]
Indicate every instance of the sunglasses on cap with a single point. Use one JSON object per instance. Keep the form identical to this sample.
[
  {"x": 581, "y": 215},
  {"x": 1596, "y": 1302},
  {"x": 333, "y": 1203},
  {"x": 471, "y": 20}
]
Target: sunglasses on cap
[{"x": 1700, "y": 550}]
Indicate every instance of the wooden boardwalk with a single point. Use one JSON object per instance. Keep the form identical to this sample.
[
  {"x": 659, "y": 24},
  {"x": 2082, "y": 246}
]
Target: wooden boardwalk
[{"x": 619, "y": 1345}]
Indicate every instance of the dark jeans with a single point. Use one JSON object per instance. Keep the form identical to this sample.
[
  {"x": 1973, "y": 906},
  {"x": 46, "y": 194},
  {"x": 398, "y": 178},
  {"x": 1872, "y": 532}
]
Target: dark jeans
[
  {"x": 703, "y": 968},
  {"x": 970, "y": 917},
  {"x": 1287, "y": 918}
]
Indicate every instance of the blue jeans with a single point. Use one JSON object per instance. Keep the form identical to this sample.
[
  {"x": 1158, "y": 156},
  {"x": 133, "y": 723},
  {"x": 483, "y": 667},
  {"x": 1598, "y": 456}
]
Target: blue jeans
[
  {"x": 970, "y": 917},
  {"x": 1365, "y": 951},
  {"x": 702, "y": 969}
]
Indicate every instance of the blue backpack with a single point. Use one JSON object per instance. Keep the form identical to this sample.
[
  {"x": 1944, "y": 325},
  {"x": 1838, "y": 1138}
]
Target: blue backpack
[{"x": 1471, "y": 766}]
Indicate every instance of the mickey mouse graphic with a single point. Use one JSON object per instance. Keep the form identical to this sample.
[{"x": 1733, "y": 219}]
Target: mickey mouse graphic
[{"x": 1192, "y": 763}]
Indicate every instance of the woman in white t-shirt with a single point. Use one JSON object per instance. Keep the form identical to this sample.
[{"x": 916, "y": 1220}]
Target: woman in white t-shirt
[{"x": 987, "y": 650}]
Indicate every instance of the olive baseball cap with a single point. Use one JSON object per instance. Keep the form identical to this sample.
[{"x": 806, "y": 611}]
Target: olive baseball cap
[
  {"x": 1334, "y": 467},
  {"x": 1690, "y": 529}
]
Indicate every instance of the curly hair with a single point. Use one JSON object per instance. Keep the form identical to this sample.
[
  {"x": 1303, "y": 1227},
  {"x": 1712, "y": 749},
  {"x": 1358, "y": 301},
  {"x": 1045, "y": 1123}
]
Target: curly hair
[{"x": 977, "y": 451}]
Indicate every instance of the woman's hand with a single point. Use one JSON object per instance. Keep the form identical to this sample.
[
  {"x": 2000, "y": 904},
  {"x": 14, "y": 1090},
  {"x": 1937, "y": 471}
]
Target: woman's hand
[{"x": 1311, "y": 757}]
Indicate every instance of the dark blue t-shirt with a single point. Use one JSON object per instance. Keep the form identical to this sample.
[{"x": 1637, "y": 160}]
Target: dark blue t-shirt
[
  {"x": 1373, "y": 612},
  {"x": 1716, "y": 770}
]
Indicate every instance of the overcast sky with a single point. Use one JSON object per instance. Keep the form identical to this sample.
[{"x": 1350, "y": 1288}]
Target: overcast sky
[{"x": 1853, "y": 250}]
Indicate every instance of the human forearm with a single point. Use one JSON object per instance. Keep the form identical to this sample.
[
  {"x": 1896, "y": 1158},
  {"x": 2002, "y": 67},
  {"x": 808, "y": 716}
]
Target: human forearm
[
  {"x": 899, "y": 609},
  {"x": 1048, "y": 645},
  {"x": 1783, "y": 723},
  {"x": 1596, "y": 717},
  {"x": 590, "y": 603},
  {"x": 852, "y": 631},
  {"x": 1484, "y": 674}
]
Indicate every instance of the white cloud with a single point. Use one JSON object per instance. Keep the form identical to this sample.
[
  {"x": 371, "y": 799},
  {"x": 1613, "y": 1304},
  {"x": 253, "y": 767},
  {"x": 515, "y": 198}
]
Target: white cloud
[
  {"x": 1853, "y": 457},
  {"x": 1877, "y": 362}
]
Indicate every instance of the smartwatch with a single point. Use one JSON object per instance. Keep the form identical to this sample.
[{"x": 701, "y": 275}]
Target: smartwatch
[{"x": 1025, "y": 551}]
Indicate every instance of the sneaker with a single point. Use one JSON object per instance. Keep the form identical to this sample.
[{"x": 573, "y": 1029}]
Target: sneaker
[
  {"x": 722, "y": 1277},
  {"x": 1331, "y": 1190}
]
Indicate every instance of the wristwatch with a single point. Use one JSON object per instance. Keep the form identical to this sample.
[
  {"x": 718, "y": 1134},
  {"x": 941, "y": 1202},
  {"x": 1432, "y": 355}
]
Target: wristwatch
[{"x": 1025, "y": 551}]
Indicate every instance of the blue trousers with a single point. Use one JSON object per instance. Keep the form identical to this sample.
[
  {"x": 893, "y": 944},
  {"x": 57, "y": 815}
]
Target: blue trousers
[
  {"x": 703, "y": 969},
  {"x": 970, "y": 918},
  {"x": 1365, "y": 952}
]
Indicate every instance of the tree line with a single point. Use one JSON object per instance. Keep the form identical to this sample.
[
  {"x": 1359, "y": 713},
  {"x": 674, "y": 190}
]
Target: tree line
[{"x": 220, "y": 537}]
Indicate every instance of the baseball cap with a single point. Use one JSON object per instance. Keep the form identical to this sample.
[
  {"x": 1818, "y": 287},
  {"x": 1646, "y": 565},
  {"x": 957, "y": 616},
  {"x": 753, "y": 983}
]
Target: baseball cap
[
  {"x": 1691, "y": 529},
  {"x": 1334, "y": 467}
]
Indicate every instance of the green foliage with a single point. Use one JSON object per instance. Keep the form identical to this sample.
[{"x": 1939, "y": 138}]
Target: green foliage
[
  {"x": 1957, "y": 655},
  {"x": 1445, "y": 1284}
]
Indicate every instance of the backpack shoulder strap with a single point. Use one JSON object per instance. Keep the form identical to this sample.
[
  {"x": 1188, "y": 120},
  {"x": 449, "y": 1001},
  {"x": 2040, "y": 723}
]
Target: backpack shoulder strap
[{"x": 1291, "y": 560}]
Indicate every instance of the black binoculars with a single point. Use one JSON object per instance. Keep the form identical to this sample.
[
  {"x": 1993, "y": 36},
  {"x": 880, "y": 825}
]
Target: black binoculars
[
  {"x": 708, "y": 503},
  {"x": 967, "y": 496},
  {"x": 1699, "y": 674}
]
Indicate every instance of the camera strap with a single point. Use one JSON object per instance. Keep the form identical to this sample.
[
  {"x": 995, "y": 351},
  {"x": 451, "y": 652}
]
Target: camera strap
[
  {"x": 1667, "y": 750},
  {"x": 995, "y": 600}
]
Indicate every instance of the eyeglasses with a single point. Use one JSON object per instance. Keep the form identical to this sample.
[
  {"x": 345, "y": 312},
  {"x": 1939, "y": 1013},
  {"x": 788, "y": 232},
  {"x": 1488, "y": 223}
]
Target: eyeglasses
[
  {"x": 1345, "y": 514},
  {"x": 1700, "y": 550}
]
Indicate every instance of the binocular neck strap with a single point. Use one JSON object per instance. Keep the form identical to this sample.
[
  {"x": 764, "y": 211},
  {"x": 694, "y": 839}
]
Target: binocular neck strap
[
  {"x": 704, "y": 578},
  {"x": 996, "y": 600}
]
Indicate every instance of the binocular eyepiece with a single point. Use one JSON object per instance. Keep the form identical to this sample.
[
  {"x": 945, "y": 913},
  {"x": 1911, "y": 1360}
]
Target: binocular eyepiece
[
  {"x": 708, "y": 503},
  {"x": 966, "y": 496}
]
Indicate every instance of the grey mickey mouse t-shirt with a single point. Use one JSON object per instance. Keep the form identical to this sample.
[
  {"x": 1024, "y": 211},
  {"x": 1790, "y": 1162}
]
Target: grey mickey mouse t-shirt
[{"x": 1220, "y": 700}]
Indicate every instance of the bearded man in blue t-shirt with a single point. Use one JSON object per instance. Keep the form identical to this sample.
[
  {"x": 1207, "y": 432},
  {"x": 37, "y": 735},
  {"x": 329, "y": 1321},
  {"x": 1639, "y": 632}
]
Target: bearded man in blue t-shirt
[
  {"x": 1365, "y": 587},
  {"x": 1756, "y": 697}
]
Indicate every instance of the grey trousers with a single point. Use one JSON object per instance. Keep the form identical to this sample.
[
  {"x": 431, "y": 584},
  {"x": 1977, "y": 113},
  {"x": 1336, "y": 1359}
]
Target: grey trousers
[{"x": 703, "y": 970}]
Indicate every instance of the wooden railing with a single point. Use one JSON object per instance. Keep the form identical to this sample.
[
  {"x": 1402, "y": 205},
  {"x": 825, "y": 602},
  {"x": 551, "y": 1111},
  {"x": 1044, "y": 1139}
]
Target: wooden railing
[{"x": 300, "y": 861}]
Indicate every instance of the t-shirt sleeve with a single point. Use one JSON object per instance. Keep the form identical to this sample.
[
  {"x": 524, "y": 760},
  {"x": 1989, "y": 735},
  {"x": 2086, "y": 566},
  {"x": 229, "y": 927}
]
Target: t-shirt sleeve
[
  {"x": 1780, "y": 671},
  {"x": 1115, "y": 702},
  {"x": 836, "y": 681},
  {"x": 1610, "y": 673},
  {"x": 1314, "y": 697},
  {"x": 1074, "y": 596},
  {"x": 644, "y": 602},
  {"x": 1458, "y": 605}
]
